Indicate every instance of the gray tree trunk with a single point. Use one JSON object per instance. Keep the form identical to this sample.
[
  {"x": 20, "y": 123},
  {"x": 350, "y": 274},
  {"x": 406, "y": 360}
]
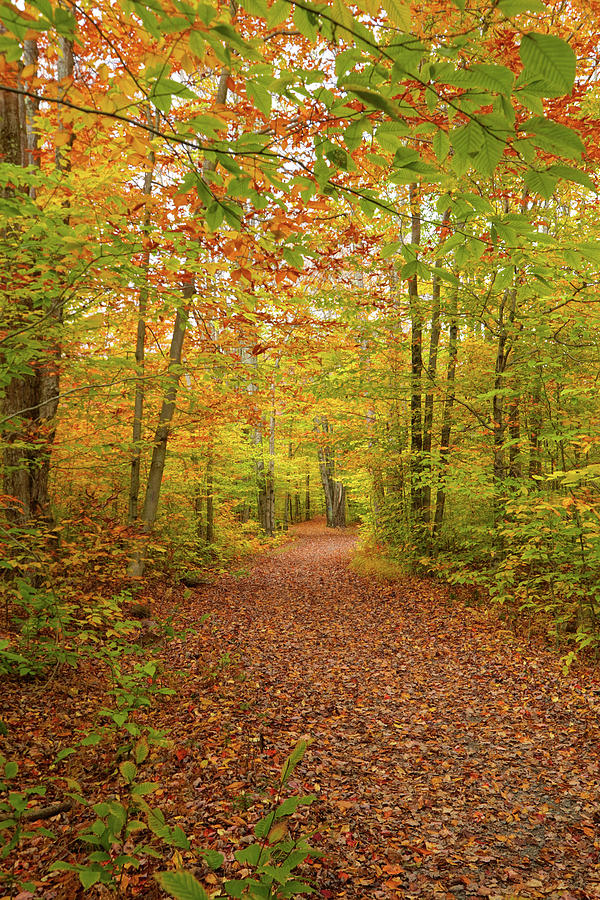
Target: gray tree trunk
[
  {"x": 140, "y": 350},
  {"x": 440, "y": 499},
  {"x": 334, "y": 491},
  {"x": 416, "y": 366},
  {"x": 159, "y": 453}
]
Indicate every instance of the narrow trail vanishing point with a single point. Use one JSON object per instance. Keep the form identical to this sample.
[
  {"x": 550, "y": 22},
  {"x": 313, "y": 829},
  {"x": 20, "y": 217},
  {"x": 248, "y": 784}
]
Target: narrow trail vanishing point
[{"x": 450, "y": 760}]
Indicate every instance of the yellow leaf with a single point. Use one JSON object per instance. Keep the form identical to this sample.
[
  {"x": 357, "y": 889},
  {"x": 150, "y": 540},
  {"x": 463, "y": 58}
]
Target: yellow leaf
[{"x": 61, "y": 138}]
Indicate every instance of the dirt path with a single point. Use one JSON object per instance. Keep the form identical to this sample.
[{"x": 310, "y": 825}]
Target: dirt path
[{"x": 449, "y": 760}]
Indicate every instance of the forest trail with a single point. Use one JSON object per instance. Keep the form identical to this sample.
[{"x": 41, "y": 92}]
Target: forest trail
[{"x": 450, "y": 759}]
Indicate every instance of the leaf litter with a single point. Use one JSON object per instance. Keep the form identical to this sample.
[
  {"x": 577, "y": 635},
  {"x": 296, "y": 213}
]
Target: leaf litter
[{"x": 449, "y": 758}]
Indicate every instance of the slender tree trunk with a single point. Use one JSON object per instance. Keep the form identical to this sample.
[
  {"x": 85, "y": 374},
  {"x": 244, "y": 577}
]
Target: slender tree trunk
[
  {"x": 210, "y": 509},
  {"x": 335, "y": 491},
  {"x": 535, "y": 427},
  {"x": 307, "y": 498},
  {"x": 161, "y": 436},
  {"x": 140, "y": 349},
  {"x": 440, "y": 499},
  {"x": 416, "y": 366},
  {"x": 514, "y": 430},
  {"x": 288, "y": 514},
  {"x": 434, "y": 341},
  {"x": 505, "y": 320},
  {"x": 428, "y": 413}
]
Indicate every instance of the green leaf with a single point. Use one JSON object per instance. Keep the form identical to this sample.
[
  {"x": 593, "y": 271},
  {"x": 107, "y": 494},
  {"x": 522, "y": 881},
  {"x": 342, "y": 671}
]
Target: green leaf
[
  {"x": 256, "y": 7},
  {"x": 441, "y": 145},
  {"x": 260, "y": 96},
  {"x": 540, "y": 182},
  {"x": 455, "y": 240},
  {"x": 278, "y": 13},
  {"x": 490, "y": 154},
  {"x": 181, "y": 885},
  {"x": 61, "y": 866},
  {"x": 89, "y": 875},
  {"x": 482, "y": 75},
  {"x": 467, "y": 140},
  {"x": 141, "y": 750},
  {"x": 549, "y": 62},
  {"x": 128, "y": 770},
  {"x": 291, "y": 804},
  {"x": 515, "y": 7},
  {"x": 398, "y": 14},
  {"x": 10, "y": 769},
  {"x": 389, "y": 249},
  {"x": 264, "y": 825},
  {"x": 571, "y": 174},
  {"x": 249, "y": 854},
  {"x": 143, "y": 788},
  {"x": 371, "y": 98},
  {"x": 293, "y": 760},
  {"x": 306, "y": 22},
  {"x": 554, "y": 137},
  {"x": 212, "y": 859}
]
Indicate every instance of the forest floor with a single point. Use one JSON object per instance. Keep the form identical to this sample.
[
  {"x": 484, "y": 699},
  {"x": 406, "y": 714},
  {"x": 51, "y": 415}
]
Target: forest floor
[{"x": 450, "y": 759}]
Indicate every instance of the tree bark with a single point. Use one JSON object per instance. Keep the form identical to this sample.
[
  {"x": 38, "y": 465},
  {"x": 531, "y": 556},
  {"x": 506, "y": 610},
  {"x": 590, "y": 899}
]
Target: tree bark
[
  {"x": 440, "y": 499},
  {"x": 335, "y": 491},
  {"x": 307, "y": 498},
  {"x": 159, "y": 453},
  {"x": 210, "y": 508},
  {"x": 506, "y": 318},
  {"x": 416, "y": 366},
  {"x": 140, "y": 350},
  {"x": 434, "y": 340},
  {"x": 30, "y": 401}
]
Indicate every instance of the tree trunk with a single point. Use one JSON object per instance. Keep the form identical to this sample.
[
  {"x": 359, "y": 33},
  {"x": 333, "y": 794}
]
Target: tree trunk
[
  {"x": 440, "y": 499},
  {"x": 416, "y": 366},
  {"x": 535, "y": 427},
  {"x": 30, "y": 401},
  {"x": 335, "y": 491},
  {"x": 499, "y": 425},
  {"x": 140, "y": 347},
  {"x": 161, "y": 436},
  {"x": 307, "y": 498},
  {"x": 514, "y": 431},
  {"x": 434, "y": 340},
  {"x": 210, "y": 509}
]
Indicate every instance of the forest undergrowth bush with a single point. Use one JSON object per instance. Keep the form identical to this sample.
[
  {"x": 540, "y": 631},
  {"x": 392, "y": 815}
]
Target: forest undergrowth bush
[{"x": 539, "y": 562}]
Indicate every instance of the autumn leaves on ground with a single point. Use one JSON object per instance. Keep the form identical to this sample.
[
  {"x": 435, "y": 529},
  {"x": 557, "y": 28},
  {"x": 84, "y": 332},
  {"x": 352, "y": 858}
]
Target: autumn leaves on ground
[{"x": 448, "y": 758}]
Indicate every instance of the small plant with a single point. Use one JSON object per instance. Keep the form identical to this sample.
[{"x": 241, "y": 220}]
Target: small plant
[
  {"x": 273, "y": 858},
  {"x": 112, "y": 833},
  {"x": 13, "y": 808}
]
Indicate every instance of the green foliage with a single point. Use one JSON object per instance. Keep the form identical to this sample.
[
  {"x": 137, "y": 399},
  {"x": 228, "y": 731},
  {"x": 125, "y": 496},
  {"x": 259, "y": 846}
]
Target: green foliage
[
  {"x": 273, "y": 858},
  {"x": 13, "y": 830}
]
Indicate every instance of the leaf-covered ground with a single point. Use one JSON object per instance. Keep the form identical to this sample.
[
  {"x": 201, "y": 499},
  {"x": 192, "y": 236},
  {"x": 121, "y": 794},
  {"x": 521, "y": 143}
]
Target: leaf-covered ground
[{"x": 449, "y": 758}]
